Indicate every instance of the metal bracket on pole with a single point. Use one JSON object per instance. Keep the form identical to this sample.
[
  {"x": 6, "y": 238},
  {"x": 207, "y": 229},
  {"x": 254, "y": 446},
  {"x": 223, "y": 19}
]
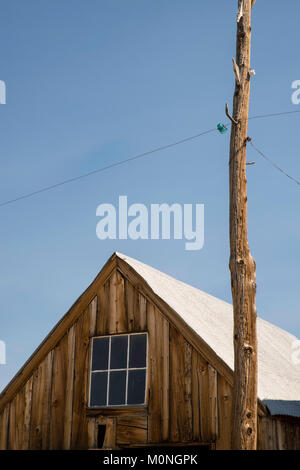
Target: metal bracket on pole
[{"x": 229, "y": 116}]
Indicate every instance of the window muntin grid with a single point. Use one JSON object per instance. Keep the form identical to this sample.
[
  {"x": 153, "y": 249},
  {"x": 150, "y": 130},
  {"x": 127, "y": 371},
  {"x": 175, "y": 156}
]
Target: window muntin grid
[{"x": 130, "y": 375}]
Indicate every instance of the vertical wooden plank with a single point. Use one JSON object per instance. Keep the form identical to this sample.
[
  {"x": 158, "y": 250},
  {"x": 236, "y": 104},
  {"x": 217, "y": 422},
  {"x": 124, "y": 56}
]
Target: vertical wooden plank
[
  {"x": 177, "y": 386},
  {"x": 201, "y": 399},
  {"x": 79, "y": 420},
  {"x": 58, "y": 399},
  {"x": 188, "y": 423},
  {"x": 136, "y": 308},
  {"x": 121, "y": 313},
  {"x": 213, "y": 405},
  {"x": 92, "y": 433},
  {"x": 280, "y": 440},
  {"x": 290, "y": 430},
  {"x": 141, "y": 313},
  {"x": 19, "y": 423},
  {"x": 4, "y": 419},
  {"x": 103, "y": 309},
  {"x": 12, "y": 426},
  {"x": 297, "y": 438},
  {"x": 204, "y": 400},
  {"x": 224, "y": 404},
  {"x": 196, "y": 395},
  {"x": 47, "y": 401},
  {"x": 283, "y": 433},
  {"x": 93, "y": 316},
  {"x": 92, "y": 332},
  {"x": 166, "y": 379},
  {"x": 69, "y": 388},
  {"x": 268, "y": 435},
  {"x": 35, "y": 430},
  {"x": 110, "y": 434},
  {"x": 155, "y": 353},
  {"x": 39, "y": 432},
  {"x": 129, "y": 305},
  {"x": 27, "y": 413},
  {"x": 275, "y": 431},
  {"x": 261, "y": 435},
  {"x": 112, "y": 319}
]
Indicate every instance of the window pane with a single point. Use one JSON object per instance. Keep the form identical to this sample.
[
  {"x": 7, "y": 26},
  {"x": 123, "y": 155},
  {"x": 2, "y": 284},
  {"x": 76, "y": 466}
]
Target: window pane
[
  {"x": 118, "y": 355},
  {"x": 100, "y": 354},
  {"x": 117, "y": 387},
  {"x": 98, "y": 389},
  {"x": 136, "y": 387},
  {"x": 138, "y": 348}
]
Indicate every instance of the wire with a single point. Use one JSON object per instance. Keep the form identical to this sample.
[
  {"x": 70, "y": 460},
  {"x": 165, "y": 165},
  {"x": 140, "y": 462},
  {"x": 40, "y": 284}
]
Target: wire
[
  {"x": 261, "y": 116},
  {"x": 274, "y": 164},
  {"x": 99, "y": 170},
  {"x": 136, "y": 157}
]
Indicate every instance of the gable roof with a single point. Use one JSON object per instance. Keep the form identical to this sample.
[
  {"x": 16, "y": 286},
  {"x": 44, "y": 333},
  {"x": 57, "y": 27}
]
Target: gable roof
[
  {"x": 212, "y": 319},
  {"x": 211, "y": 322}
]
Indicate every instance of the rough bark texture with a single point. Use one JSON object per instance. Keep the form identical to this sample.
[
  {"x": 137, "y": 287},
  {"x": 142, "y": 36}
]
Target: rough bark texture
[{"x": 242, "y": 265}]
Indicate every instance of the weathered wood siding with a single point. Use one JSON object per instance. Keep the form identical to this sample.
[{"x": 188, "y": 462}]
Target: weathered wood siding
[
  {"x": 279, "y": 433},
  {"x": 187, "y": 399}
]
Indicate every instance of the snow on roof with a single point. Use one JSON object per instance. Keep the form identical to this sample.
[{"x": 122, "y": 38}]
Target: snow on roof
[{"x": 212, "y": 319}]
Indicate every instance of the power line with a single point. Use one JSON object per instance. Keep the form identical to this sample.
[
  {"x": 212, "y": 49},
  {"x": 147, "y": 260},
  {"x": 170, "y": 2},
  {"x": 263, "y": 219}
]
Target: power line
[
  {"x": 274, "y": 164},
  {"x": 261, "y": 116},
  {"x": 264, "y": 116},
  {"x": 99, "y": 170},
  {"x": 136, "y": 157}
]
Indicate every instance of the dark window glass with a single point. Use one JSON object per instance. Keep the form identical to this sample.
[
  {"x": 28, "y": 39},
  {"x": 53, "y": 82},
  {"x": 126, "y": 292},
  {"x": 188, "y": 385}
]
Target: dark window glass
[
  {"x": 118, "y": 352},
  {"x": 117, "y": 388},
  {"x": 137, "y": 352},
  {"x": 98, "y": 389},
  {"x": 136, "y": 387},
  {"x": 118, "y": 355},
  {"x": 100, "y": 354}
]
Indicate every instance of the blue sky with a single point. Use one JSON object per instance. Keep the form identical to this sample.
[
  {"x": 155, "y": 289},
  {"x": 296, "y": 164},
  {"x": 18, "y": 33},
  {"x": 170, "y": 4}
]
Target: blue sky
[{"x": 90, "y": 83}]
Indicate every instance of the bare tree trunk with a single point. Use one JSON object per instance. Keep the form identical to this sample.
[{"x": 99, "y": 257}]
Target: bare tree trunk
[{"x": 242, "y": 265}]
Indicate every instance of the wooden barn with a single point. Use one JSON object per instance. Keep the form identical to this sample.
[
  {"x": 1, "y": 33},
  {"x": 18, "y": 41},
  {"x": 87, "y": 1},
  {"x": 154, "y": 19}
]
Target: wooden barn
[{"x": 142, "y": 359}]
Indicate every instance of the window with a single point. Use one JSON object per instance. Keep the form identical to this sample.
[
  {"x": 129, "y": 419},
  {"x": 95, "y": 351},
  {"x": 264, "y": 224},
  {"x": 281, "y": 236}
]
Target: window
[{"x": 118, "y": 370}]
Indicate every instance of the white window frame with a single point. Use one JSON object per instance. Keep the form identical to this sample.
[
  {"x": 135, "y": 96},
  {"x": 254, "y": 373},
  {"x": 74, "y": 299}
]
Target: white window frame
[{"x": 127, "y": 369}]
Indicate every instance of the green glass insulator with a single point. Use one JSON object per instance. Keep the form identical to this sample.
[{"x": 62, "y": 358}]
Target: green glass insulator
[{"x": 221, "y": 128}]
